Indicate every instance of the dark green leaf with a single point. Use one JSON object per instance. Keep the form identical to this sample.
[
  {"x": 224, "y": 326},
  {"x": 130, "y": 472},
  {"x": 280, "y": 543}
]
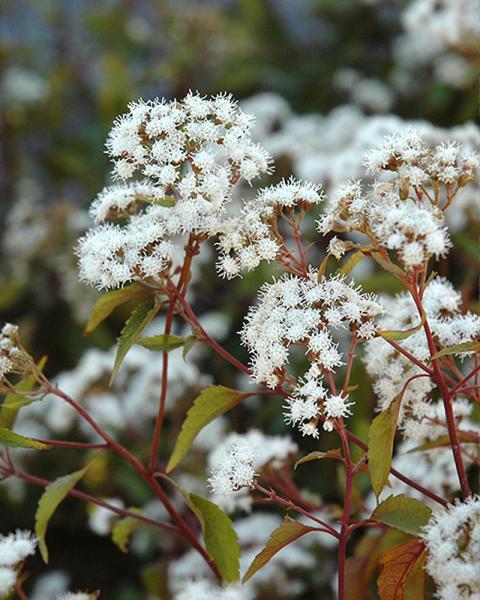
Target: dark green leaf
[
  {"x": 162, "y": 343},
  {"x": 464, "y": 347},
  {"x": 141, "y": 316}
]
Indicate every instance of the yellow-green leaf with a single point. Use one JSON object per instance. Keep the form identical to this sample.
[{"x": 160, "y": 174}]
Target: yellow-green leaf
[
  {"x": 13, "y": 402},
  {"x": 288, "y": 532},
  {"x": 466, "y": 437},
  {"x": 407, "y": 514},
  {"x": 54, "y": 494},
  {"x": 352, "y": 262},
  {"x": 215, "y": 400},
  {"x": 123, "y": 529},
  {"x": 387, "y": 265},
  {"x": 316, "y": 455},
  {"x": 109, "y": 301},
  {"x": 401, "y": 335},
  {"x": 464, "y": 347},
  {"x": 219, "y": 535},
  {"x": 141, "y": 316},
  {"x": 381, "y": 436},
  {"x": 15, "y": 440},
  {"x": 161, "y": 343}
]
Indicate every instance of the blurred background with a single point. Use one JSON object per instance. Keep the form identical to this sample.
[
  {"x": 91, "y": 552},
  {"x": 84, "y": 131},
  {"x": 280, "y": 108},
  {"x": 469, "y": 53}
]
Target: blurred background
[{"x": 325, "y": 78}]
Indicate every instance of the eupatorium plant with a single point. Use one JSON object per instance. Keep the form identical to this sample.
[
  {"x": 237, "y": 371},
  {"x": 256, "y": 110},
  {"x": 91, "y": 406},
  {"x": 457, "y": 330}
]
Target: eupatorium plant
[{"x": 179, "y": 167}]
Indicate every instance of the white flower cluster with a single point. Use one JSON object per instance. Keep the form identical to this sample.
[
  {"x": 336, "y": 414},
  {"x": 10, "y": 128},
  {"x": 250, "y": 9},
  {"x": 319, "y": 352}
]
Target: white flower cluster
[
  {"x": 202, "y": 589},
  {"x": 248, "y": 239},
  {"x": 235, "y": 470},
  {"x": 12, "y": 358},
  {"x": 266, "y": 450},
  {"x": 190, "y": 154},
  {"x": 391, "y": 370},
  {"x": 452, "y": 537},
  {"x": 436, "y": 25},
  {"x": 303, "y": 312},
  {"x": 392, "y": 213},
  {"x": 14, "y": 549}
]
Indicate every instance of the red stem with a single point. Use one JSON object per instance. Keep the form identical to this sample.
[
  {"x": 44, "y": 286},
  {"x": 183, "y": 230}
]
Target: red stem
[{"x": 344, "y": 534}]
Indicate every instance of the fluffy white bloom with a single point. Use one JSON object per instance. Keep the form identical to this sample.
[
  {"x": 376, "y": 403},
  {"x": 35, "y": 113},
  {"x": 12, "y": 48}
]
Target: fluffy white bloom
[
  {"x": 8, "y": 577},
  {"x": 15, "y": 547},
  {"x": 101, "y": 519},
  {"x": 391, "y": 370},
  {"x": 246, "y": 240},
  {"x": 190, "y": 154},
  {"x": 452, "y": 537},
  {"x": 202, "y": 589},
  {"x": 233, "y": 468},
  {"x": 304, "y": 312}
]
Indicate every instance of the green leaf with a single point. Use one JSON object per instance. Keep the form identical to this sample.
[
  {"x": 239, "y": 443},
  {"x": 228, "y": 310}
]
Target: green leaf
[
  {"x": 220, "y": 538},
  {"x": 407, "y": 514},
  {"x": 402, "y": 335},
  {"x": 215, "y": 400},
  {"x": 323, "y": 267},
  {"x": 464, "y": 347},
  {"x": 288, "y": 532},
  {"x": 161, "y": 343},
  {"x": 141, "y": 316},
  {"x": 15, "y": 440},
  {"x": 54, "y": 494},
  {"x": 188, "y": 345},
  {"x": 388, "y": 265},
  {"x": 13, "y": 402},
  {"x": 352, "y": 262},
  {"x": 318, "y": 456},
  {"x": 165, "y": 201},
  {"x": 123, "y": 529},
  {"x": 109, "y": 301},
  {"x": 381, "y": 436}
]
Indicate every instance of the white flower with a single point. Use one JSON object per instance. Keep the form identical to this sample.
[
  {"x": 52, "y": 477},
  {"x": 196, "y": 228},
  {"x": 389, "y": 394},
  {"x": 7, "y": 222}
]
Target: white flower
[
  {"x": 8, "y": 577},
  {"x": 452, "y": 537},
  {"x": 190, "y": 153},
  {"x": 235, "y": 470},
  {"x": 337, "y": 406},
  {"x": 15, "y": 547}
]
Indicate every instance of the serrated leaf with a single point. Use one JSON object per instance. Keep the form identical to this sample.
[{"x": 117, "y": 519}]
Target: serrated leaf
[
  {"x": 397, "y": 564},
  {"x": 219, "y": 535},
  {"x": 466, "y": 437},
  {"x": 381, "y": 435},
  {"x": 464, "y": 347},
  {"x": 387, "y": 265},
  {"x": 288, "y": 532},
  {"x": 54, "y": 494},
  {"x": 316, "y": 455},
  {"x": 352, "y": 262},
  {"x": 161, "y": 343},
  {"x": 141, "y": 316},
  {"x": 123, "y": 529},
  {"x": 109, "y": 301},
  {"x": 407, "y": 514},
  {"x": 15, "y": 440},
  {"x": 215, "y": 400},
  {"x": 12, "y": 403}
]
